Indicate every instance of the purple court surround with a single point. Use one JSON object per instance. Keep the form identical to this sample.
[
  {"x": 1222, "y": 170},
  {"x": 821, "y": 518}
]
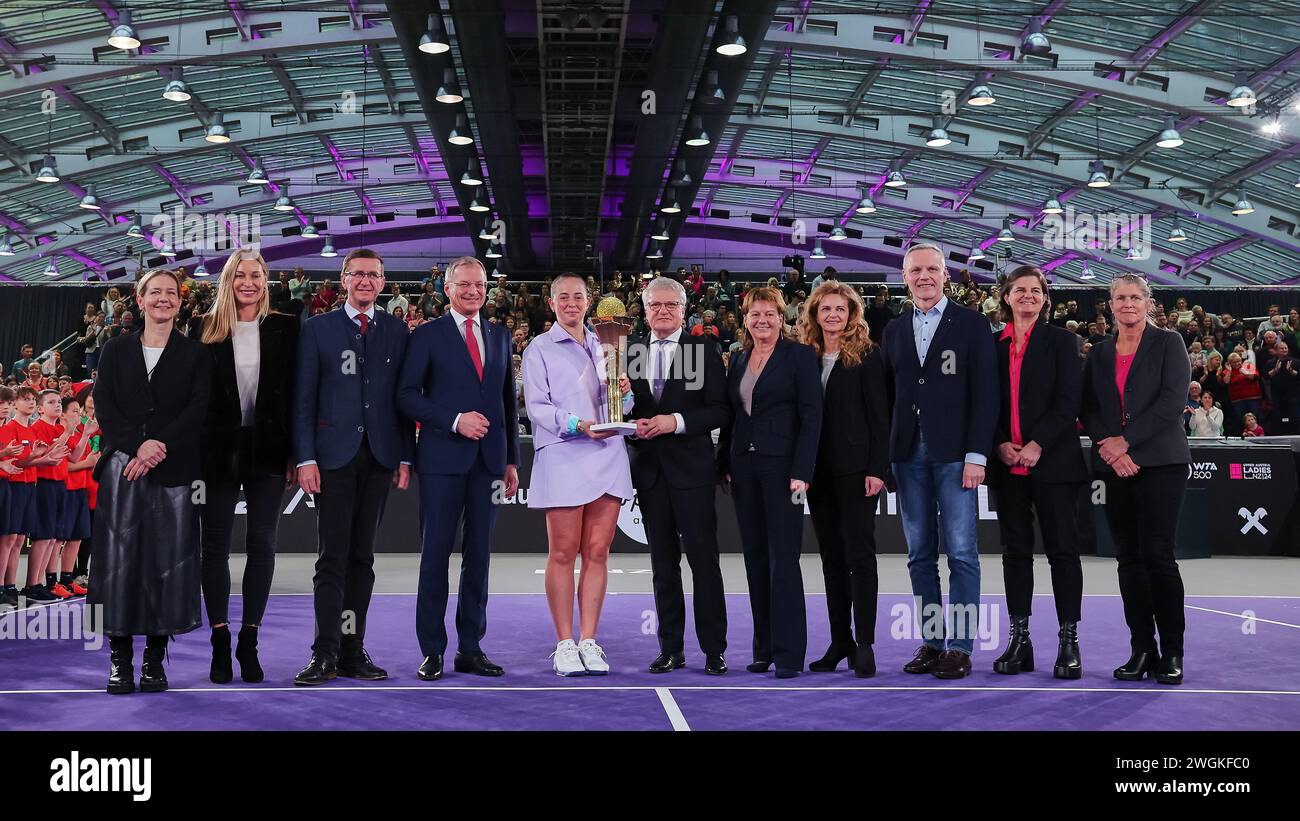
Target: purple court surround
[{"x": 1241, "y": 675}]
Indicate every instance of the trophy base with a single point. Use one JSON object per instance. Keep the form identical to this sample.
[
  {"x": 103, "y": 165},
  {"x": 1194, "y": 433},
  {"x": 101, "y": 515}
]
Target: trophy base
[{"x": 622, "y": 428}]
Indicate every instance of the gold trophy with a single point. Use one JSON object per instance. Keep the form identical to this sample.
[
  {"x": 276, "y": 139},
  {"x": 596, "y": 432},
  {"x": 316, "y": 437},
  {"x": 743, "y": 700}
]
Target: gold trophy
[{"x": 612, "y": 326}]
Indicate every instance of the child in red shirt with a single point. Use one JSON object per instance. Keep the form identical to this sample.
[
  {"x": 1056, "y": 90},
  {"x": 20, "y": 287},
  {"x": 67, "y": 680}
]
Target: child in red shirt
[
  {"x": 75, "y": 525},
  {"x": 9, "y": 453},
  {"x": 51, "y": 492}
]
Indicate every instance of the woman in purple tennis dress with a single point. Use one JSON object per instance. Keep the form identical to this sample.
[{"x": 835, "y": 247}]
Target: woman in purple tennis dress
[{"x": 580, "y": 477}]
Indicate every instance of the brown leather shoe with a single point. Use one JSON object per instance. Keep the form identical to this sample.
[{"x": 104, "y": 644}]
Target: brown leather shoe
[
  {"x": 924, "y": 660},
  {"x": 952, "y": 664}
]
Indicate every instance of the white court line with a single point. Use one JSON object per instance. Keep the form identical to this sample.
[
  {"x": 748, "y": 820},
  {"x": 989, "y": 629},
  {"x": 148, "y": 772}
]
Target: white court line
[
  {"x": 674, "y": 712},
  {"x": 1242, "y": 616},
  {"x": 434, "y": 688}
]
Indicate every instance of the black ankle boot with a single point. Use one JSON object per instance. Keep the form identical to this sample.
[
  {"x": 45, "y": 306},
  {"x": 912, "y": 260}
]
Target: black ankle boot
[
  {"x": 121, "y": 674},
  {"x": 1068, "y": 664},
  {"x": 1170, "y": 670},
  {"x": 250, "y": 669},
  {"x": 153, "y": 678},
  {"x": 1019, "y": 655},
  {"x": 864, "y": 660},
  {"x": 1141, "y": 663},
  {"x": 222, "y": 671},
  {"x": 836, "y": 653}
]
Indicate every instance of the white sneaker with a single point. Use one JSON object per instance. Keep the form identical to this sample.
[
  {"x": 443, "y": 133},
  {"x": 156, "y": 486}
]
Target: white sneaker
[
  {"x": 567, "y": 660},
  {"x": 593, "y": 658}
]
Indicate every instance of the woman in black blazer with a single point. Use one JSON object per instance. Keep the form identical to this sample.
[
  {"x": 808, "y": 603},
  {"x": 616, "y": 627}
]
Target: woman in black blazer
[
  {"x": 1135, "y": 390},
  {"x": 246, "y": 442},
  {"x": 1039, "y": 468},
  {"x": 150, "y": 399},
  {"x": 766, "y": 460},
  {"x": 852, "y": 462}
]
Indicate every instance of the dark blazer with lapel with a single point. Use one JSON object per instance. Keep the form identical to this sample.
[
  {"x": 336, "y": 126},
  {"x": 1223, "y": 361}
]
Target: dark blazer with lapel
[
  {"x": 855, "y": 419},
  {"x": 347, "y": 389},
  {"x": 439, "y": 381},
  {"x": 957, "y": 395},
  {"x": 787, "y": 409},
  {"x": 1155, "y": 395},
  {"x": 170, "y": 407},
  {"x": 1051, "y": 391},
  {"x": 273, "y": 413},
  {"x": 687, "y": 459}
]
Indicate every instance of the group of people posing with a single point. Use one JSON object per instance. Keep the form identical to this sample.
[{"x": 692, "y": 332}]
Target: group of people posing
[{"x": 832, "y": 419}]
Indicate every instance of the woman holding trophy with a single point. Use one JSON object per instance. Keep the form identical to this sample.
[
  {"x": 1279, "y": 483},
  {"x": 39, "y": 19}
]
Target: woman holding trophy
[{"x": 580, "y": 472}]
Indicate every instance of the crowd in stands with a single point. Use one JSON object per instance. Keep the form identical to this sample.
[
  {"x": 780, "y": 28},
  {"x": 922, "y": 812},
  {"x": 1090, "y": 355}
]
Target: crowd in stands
[{"x": 1246, "y": 378}]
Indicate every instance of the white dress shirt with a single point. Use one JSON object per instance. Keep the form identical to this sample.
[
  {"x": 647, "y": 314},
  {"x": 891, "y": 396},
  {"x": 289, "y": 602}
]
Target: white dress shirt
[
  {"x": 669, "y": 344},
  {"x": 461, "y": 319}
]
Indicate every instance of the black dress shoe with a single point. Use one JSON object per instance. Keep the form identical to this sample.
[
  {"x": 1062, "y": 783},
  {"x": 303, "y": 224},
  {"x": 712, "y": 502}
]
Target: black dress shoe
[
  {"x": 784, "y": 672},
  {"x": 318, "y": 671},
  {"x": 1019, "y": 655},
  {"x": 1140, "y": 664},
  {"x": 1068, "y": 664},
  {"x": 121, "y": 673},
  {"x": 667, "y": 662},
  {"x": 153, "y": 678},
  {"x": 477, "y": 663},
  {"x": 864, "y": 661},
  {"x": 924, "y": 660},
  {"x": 357, "y": 664},
  {"x": 1170, "y": 670},
  {"x": 221, "y": 671},
  {"x": 430, "y": 668},
  {"x": 952, "y": 664},
  {"x": 715, "y": 665},
  {"x": 759, "y": 666},
  {"x": 832, "y": 658}
]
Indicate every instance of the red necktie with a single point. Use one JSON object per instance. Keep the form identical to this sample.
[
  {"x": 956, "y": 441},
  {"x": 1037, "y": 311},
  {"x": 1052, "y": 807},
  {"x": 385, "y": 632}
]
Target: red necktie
[
  {"x": 365, "y": 323},
  {"x": 472, "y": 344}
]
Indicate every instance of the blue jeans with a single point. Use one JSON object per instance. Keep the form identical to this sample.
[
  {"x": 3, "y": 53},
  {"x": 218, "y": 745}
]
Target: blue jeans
[{"x": 930, "y": 497}]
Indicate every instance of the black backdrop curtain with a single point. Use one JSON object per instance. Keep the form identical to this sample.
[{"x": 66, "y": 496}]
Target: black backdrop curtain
[{"x": 42, "y": 316}]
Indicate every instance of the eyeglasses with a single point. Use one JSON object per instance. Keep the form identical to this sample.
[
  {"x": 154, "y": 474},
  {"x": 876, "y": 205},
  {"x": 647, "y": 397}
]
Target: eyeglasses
[
  {"x": 363, "y": 274},
  {"x": 664, "y": 306},
  {"x": 470, "y": 286}
]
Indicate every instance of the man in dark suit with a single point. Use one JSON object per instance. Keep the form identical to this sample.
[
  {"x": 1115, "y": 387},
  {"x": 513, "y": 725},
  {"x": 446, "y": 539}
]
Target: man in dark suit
[
  {"x": 679, "y": 388},
  {"x": 458, "y": 382},
  {"x": 943, "y": 363},
  {"x": 351, "y": 444}
]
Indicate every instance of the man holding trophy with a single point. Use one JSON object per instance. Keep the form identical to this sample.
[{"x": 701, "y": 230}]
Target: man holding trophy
[{"x": 580, "y": 469}]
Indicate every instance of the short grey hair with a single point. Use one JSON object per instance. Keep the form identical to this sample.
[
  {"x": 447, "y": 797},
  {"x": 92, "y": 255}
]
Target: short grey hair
[
  {"x": 661, "y": 284},
  {"x": 461, "y": 262},
  {"x": 921, "y": 246}
]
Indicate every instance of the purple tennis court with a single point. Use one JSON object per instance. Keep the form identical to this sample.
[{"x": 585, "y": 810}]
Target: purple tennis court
[{"x": 45, "y": 682}]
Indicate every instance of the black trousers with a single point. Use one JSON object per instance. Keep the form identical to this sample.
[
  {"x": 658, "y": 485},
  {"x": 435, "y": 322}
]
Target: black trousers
[
  {"x": 348, "y": 510},
  {"x": 1018, "y": 499},
  {"x": 677, "y": 519},
  {"x": 844, "y": 518},
  {"x": 263, "y": 494},
  {"x": 1142, "y": 511},
  {"x": 771, "y": 533}
]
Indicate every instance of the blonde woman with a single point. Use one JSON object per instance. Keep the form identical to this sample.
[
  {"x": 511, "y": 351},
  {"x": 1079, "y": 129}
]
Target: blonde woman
[
  {"x": 246, "y": 442},
  {"x": 852, "y": 461}
]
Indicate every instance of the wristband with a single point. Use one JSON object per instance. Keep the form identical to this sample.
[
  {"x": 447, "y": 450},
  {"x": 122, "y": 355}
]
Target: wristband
[{"x": 573, "y": 424}]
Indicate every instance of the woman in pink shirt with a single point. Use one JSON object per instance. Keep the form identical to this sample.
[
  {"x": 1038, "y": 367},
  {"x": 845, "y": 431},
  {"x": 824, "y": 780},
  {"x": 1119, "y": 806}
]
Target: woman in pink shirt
[
  {"x": 1039, "y": 468},
  {"x": 1135, "y": 392}
]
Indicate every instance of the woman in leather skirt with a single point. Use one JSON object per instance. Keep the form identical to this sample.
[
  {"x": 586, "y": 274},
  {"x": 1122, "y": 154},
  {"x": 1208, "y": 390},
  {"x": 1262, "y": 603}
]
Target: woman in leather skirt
[{"x": 150, "y": 399}]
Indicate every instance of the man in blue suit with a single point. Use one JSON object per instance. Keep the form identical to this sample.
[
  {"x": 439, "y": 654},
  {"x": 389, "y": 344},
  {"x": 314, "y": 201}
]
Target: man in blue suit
[
  {"x": 350, "y": 445},
  {"x": 459, "y": 384},
  {"x": 943, "y": 364}
]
